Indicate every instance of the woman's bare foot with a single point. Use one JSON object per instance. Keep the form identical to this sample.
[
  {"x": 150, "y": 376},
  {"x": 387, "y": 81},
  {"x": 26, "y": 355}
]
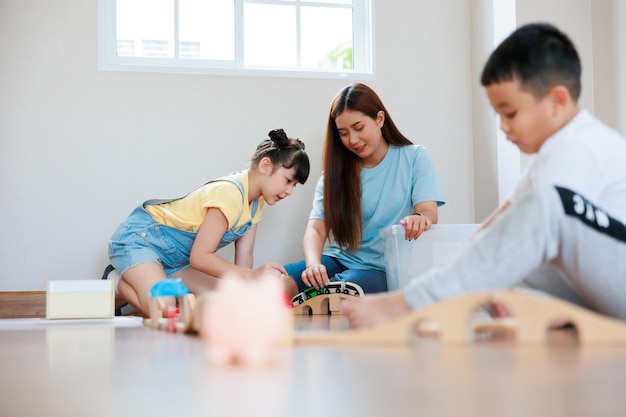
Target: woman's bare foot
[{"x": 371, "y": 310}]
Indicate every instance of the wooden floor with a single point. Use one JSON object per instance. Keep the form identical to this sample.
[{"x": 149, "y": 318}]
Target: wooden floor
[
  {"x": 28, "y": 304},
  {"x": 118, "y": 368},
  {"x": 22, "y": 304}
]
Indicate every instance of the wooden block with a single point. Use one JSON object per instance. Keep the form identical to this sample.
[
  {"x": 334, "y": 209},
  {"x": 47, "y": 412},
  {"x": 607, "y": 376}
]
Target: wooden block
[
  {"x": 450, "y": 319},
  {"x": 534, "y": 314},
  {"x": 80, "y": 299},
  {"x": 322, "y": 304},
  {"x": 182, "y": 323}
]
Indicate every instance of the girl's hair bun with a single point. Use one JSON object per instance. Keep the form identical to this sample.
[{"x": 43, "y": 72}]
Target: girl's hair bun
[
  {"x": 279, "y": 137},
  {"x": 285, "y": 152}
]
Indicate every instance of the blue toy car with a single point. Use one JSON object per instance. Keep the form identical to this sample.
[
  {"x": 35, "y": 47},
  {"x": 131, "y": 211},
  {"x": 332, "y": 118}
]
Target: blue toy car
[{"x": 170, "y": 287}]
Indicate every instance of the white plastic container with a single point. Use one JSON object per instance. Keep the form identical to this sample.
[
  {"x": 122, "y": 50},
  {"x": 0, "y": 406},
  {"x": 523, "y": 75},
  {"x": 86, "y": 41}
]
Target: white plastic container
[{"x": 407, "y": 259}]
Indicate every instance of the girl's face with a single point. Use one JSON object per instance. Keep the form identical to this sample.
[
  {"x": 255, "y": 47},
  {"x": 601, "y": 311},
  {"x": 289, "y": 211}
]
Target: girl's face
[
  {"x": 362, "y": 135},
  {"x": 279, "y": 185}
]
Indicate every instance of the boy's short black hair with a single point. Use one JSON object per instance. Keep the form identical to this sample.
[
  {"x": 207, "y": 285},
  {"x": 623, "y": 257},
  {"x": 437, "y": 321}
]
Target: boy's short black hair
[{"x": 539, "y": 56}]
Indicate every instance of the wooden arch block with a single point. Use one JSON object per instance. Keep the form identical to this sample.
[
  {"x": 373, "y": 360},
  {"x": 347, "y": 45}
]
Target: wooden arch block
[
  {"x": 533, "y": 315},
  {"x": 322, "y": 304}
]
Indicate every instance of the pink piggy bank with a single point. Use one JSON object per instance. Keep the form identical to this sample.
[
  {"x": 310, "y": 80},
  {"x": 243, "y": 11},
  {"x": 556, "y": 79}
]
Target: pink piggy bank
[{"x": 245, "y": 321}]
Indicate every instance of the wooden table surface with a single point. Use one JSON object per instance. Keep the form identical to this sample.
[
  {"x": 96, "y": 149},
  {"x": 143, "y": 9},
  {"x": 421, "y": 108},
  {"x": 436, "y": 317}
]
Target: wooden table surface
[{"x": 120, "y": 368}]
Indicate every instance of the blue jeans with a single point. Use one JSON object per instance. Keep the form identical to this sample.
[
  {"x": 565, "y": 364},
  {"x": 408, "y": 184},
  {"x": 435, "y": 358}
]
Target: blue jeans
[{"x": 371, "y": 280}]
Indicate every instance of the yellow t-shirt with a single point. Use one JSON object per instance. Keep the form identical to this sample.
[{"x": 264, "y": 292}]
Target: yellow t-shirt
[{"x": 188, "y": 212}]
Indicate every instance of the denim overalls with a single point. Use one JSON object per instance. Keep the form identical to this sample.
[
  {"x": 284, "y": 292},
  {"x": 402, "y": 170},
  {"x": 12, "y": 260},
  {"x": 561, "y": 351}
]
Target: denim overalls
[{"x": 141, "y": 239}]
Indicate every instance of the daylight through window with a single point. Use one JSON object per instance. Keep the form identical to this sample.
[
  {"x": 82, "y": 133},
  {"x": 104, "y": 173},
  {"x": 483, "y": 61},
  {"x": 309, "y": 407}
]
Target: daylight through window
[{"x": 323, "y": 38}]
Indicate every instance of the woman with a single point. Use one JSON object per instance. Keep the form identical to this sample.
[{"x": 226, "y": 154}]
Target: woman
[{"x": 373, "y": 177}]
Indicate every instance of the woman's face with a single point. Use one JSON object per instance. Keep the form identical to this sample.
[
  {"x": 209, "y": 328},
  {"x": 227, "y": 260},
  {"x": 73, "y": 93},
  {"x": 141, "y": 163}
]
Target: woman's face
[{"x": 362, "y": 135}]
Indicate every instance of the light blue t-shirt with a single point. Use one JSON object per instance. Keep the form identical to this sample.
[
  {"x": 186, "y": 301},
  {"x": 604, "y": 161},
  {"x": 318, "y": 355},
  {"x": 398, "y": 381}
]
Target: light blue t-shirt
[{"x": 390, "y": 190}]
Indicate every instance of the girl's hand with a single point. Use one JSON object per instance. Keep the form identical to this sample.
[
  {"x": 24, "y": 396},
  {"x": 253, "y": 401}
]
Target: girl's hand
[
  {"x": 271, "y": 268},
  {"x": 414, "y": 225},
  {"x": 315, "y": 276}
]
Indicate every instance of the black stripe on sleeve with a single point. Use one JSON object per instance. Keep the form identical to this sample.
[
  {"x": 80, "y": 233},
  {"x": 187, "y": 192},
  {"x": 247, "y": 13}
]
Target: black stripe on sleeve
[{"x": 577, "y": 206}]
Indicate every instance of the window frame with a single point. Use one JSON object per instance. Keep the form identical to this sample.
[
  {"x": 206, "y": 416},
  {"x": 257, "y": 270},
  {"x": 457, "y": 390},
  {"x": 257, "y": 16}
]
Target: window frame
[{"x": 363, "y": 49}]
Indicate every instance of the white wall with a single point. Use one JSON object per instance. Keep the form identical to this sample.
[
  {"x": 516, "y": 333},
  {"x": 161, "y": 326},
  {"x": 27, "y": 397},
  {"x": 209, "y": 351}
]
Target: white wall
[
  {"x": 574, "y": 17},
  {"x": 80, "y": 148},
  {"x": 609, "y": 57}
]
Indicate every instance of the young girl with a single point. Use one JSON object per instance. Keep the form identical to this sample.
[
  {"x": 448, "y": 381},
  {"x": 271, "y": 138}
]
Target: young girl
[
  {"x": 373, "y": 177},
  {"x": 165, "y": 238}
]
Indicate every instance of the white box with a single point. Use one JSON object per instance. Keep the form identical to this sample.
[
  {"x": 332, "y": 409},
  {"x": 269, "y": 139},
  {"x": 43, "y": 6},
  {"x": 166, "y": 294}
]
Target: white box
[
  {"x": 80, "y": 299},
  {"x": 407, "y": 259}
]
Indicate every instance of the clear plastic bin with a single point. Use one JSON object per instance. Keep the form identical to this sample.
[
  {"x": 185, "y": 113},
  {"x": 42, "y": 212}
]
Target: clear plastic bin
[{"x": 407, "y": 259}]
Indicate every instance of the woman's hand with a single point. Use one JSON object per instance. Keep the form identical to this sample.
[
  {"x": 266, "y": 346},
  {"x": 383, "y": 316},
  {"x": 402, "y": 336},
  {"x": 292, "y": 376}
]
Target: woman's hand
[
  {"x": 424, "y": 215},
  {"x": 315, "y": 275},
  {"x": 414, "y": 225}
]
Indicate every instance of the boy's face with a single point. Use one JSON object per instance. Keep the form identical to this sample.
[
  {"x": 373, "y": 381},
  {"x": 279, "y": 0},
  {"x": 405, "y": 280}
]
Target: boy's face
[{"x": 527, "y": 121}]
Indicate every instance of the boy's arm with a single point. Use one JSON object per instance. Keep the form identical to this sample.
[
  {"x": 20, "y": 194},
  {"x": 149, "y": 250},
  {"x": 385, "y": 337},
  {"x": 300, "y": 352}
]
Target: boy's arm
[{"x": 494, "y": 215}]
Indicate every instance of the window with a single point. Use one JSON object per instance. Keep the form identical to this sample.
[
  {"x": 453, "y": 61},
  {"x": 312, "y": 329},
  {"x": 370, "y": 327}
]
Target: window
[
  {"x": 297, "y": 38},
  {"x": 509, "y": 156}
]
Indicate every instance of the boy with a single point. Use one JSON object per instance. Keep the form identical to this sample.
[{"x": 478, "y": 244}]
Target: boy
[{"x": 550, "y": 235}]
